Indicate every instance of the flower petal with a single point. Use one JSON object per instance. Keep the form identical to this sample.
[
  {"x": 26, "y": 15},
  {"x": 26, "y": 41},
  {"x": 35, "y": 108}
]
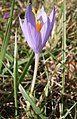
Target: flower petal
[
  {"x": 45, "y": 32},
  {"x": 52, "y": 19},
  {"x": 42, "y": 16},
  {"x": 47, "y": 27},
  {"x": 29, "y": 30},
  {"x": 24, "y": 27},
  {"x": 29, "y": 15},
  {"x": 35, "y": 38}
]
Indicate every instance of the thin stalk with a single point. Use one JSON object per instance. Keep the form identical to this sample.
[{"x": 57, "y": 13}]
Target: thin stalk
[
  {"x": 7, "y": 36},
  {"x": 35, "y": 73},
  {"x": 68, "y": 111},
  {"x": 33, "y": 81},
  {"x": 26, "y": 68},
  {"x": 64, "y": 52},
  {"x": 15, "y": 77}
]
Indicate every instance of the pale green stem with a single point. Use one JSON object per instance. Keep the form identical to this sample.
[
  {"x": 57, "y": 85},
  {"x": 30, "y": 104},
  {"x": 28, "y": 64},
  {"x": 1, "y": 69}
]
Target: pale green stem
[
  {"x": 35, "y": 72},
  {"x": 34, "y": 80}
]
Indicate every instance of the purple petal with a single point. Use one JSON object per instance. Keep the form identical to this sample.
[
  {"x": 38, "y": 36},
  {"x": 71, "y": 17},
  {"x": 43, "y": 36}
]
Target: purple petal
[
  {"x": 29, "y": 15},
  {"x": 32, "y": 36},
  {"x": 45, "y": 32},
  {"x": 52, "y": 19},
  {"x": 42, "y": 16},
  {"x": 24, "y": 27},
  {"x": 35, "y": 38},
  {"x": 47, "y": 27}
]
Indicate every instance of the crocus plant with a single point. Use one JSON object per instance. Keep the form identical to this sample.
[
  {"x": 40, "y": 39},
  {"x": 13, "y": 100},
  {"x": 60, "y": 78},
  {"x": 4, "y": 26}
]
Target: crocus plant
[{"x": 37, "y": 28}]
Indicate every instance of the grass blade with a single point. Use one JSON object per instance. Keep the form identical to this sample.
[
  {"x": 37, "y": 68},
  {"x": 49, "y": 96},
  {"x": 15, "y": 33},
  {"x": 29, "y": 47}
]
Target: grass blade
[
  {"x": 64, "y": 52},
  {"x": 66, "y": 114},
  {"x": 55, "y": 58},
  {"x": 26, "y": 68},
  {"x": 15, "y": 76},
  {"x": 26, "y": 97},
  {"x": 7, "y": 36}
]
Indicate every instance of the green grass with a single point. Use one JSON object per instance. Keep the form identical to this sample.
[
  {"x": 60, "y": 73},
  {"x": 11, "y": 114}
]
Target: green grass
[
  {"x": 7, "y": 36},
  {"x": 63, "y": 53},
  {"x": 15, "y": 76}
]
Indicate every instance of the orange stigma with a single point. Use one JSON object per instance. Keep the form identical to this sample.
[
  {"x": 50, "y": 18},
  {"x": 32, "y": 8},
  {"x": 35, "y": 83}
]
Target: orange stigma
[
  {"x": 38, "y": 23},
  {"x": 38, "y": 26}
]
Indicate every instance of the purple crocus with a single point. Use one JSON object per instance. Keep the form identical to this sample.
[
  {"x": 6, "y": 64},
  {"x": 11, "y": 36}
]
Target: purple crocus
[{"x": 37, "y": 27}]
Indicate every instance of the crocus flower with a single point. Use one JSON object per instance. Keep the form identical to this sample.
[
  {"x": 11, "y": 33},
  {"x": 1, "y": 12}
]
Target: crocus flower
[{"x": 37, "y": 27}]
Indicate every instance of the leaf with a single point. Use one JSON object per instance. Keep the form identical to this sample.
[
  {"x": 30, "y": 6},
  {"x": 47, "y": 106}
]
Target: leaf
[
  {"x": 28, "y": 98},
  {"x": 26, "y": 68},
  {"x": 7, "y": 36}
]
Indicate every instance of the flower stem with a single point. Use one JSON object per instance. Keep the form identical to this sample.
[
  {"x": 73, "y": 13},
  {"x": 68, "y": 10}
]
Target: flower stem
[
  {"x": 35, "y": 73},
  {"x": 33, "y": 81}
]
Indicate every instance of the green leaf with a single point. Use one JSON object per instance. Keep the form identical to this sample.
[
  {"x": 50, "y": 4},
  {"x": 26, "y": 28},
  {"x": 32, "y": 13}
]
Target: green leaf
[
  {"x": 15, "y": 75},
  {"x": 7, "y": 36},
  {"x": 28, "y": 98},
  {"x": 26, "y": 68}
]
